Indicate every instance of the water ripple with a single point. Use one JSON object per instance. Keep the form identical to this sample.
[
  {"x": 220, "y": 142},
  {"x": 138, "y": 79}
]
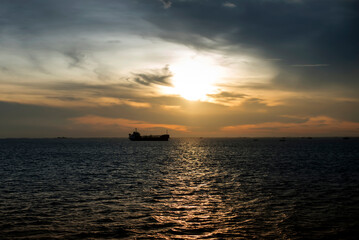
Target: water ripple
[{"x": 181, "y": 189}]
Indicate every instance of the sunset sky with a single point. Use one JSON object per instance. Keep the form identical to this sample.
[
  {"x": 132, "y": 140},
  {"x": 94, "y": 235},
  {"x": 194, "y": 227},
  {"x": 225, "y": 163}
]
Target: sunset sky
[{"x": 209, "y": 68}]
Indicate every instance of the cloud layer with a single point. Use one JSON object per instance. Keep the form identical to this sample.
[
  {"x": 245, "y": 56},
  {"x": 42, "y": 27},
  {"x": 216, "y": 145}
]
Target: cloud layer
[{"x": 96, "y": 66}]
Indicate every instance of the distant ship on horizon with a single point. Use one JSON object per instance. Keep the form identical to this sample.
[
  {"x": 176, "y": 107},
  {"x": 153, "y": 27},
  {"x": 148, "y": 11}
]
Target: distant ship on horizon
[{"x": 136, "y": 136}]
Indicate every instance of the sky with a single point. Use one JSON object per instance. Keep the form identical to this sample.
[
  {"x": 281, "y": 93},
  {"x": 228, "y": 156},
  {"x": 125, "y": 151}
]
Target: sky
[{"x": 205, "y": 68}]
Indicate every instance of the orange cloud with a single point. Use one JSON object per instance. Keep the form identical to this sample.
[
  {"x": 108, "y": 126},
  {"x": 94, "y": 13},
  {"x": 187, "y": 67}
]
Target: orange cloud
[
  {"x": 170, "y": 107},
  {"x": 320, "y": 126},
  {"x": 122, "y": 122},
  {"x": 108, "y": 101}
]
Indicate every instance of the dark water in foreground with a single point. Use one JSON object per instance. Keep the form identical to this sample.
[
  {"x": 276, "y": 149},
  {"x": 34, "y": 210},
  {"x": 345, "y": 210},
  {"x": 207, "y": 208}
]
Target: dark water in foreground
[{"x": 181, "y": 189}]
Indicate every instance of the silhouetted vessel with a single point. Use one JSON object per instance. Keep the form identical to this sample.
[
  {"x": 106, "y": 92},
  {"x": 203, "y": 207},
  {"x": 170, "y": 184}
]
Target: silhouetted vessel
[{"x": 136, "y": 136}]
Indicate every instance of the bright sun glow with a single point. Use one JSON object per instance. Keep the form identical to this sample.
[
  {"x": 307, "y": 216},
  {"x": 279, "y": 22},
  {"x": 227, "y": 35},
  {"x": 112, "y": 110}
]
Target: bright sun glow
[{"x": 193, "y": 79}]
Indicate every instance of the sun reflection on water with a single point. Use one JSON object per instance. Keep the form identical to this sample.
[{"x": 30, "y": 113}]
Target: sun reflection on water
[{"x": 194, "y": 206}]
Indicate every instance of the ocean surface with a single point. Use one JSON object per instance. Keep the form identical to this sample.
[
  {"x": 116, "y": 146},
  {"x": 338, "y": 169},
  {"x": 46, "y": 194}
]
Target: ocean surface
[{"x": 195, "y": 188}]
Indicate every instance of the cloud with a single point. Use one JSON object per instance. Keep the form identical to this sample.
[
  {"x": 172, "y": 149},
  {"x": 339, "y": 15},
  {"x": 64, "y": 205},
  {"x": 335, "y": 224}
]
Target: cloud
[
  {"x": 66, "y": 98},
  {"x": 157, "y": 77},
  {"x": 93, "y": 58},
  {"x": 76, "y": 58},
  {"x": 227, "y": 95},
  {"x": 227, "y": 98},
  {"x": 109, "y": 101},
  {"x": 24, "y": 120},
  {"x": 137, "y": 104},
  {"x": 170, "y": 107},
  {"x": 320, "y": 31},
  {"x": 127, "y": 123},
  {"x": 307, "y": 31},
  {"x": 166, "y": 4},
  {"x": 251, "y": 117},
  {"x": 229, "y": 5},
  {"x": 310, "y": 65},
  {"x": 314, "y": 126},
  {"x": 4, "y": 69}
]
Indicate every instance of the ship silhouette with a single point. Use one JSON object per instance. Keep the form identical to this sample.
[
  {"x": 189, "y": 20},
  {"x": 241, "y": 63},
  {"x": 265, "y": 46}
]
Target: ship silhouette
[{"x": 136, "y": 136}]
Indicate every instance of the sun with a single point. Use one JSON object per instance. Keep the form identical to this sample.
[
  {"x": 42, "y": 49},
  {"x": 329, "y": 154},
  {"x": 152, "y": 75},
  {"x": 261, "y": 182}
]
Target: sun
[{"x": 194, "y": 78}]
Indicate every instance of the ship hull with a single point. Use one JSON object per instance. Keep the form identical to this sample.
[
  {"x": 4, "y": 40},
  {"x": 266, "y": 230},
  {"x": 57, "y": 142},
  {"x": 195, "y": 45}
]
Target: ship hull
[{"x": 149, "y": 138}]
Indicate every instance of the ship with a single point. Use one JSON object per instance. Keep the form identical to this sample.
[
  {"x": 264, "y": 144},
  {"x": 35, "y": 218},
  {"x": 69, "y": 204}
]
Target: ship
[{"x": 136, "y": 136}]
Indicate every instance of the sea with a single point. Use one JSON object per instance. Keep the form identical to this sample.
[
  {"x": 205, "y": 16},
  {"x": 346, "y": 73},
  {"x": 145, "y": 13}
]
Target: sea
[{"x": 186, "y": 188}]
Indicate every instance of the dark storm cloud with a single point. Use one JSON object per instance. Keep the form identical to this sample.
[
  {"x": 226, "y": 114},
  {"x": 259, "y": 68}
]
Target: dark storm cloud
[{"x": 298, "y": 32}]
